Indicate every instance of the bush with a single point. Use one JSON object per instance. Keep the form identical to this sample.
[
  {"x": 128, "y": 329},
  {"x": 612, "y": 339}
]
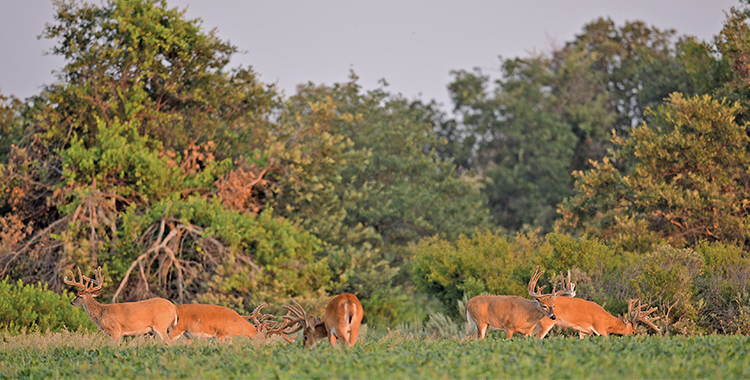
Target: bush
[
  {"x": 35, "y": 308},
  {"x": 667, "y": 278},
  {"x": 723, "y": 290},
  {"x": 394, "y": 305},
  {"x": 486, "y": 263}
]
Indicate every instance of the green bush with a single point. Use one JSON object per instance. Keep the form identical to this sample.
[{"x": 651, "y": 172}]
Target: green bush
[
  {"x": 393, "y": 305},
  {"x": 723, "y": 290},
  {"x": 486, "y": 263},
  {"x": 29, "y": 307}
]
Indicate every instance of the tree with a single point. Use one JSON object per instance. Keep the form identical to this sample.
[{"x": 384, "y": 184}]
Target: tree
[
  {"x": 11, "y": 128},
  {"x": 552, "y": 114},
  {"x": 686, "y": 180},
  {"x": 518, "y": 143},
  {"x": 148, "y": 157},
  {"x": 371, "y": 183}
]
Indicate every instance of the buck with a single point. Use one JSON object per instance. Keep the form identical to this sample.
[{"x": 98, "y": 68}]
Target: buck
[
  {"x": 155, "y": 315},
  {"x": 514, "y": 314},
  {"x": 588, "y": 318},
  {"x": 213, "y": 321},
  {"x": 342, "y": 320}
]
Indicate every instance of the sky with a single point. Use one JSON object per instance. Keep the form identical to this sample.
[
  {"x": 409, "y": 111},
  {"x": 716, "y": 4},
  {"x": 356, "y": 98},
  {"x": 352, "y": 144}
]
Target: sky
[{"x": 412, "y": 44}]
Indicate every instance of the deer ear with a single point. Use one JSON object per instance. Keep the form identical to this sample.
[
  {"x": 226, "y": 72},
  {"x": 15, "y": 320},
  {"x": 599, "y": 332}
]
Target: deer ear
[{"x": 96, "y": 293}]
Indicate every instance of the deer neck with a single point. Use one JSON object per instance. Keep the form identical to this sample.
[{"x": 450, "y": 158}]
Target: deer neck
[{"x": 94, "y": 309}]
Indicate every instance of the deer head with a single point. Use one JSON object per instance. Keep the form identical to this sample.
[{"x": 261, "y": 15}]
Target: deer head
[{"x": 87, "y": 290}]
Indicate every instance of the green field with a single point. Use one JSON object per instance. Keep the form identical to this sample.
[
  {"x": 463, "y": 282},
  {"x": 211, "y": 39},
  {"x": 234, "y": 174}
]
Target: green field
[{"x": 390, "y": 356}]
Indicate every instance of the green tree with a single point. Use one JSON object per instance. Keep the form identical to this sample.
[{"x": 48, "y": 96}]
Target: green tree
[
  {"x": 686, "y": 180},
  {"x": 11, "y": 129},
  {"x": 372, "y": 184},
  {"x": 148, "y": 157},
  {"x": 552, "y": 114},
  {"x": 520, "y": 146}
]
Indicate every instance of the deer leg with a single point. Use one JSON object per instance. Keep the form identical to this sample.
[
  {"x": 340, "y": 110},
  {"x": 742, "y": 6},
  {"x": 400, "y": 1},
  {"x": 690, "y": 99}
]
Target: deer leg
[
  {"x": 543, "y": 331},
  {"x": 481, "y": 331},
  {"x": 332, "y": 339},
  {"x": 113, "y": 332},
  {"x": 175, "y": 334},
  {"x": 353, "y": 335},
  {"x": 163, "y": 335}
]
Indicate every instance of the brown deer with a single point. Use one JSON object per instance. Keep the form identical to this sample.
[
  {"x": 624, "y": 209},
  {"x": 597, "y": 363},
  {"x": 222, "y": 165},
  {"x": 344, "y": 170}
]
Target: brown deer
[
  {"x": 514, "y": 314},
  {"x": 343, "y": 317},
  {"x": 120, "y": 319},
  {"x": 213, "y": 321},
  {"x": 588, "y": 318}
]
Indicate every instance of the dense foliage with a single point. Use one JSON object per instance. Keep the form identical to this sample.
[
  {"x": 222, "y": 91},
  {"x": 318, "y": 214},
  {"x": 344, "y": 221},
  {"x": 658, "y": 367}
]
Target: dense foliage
[
  {"x": 701, "y": 290},
  {"x": 35, "y": 308},
  {"x": 622, "y": 156},
  {"x": 192, "y": 181},
  {"x": 687, "y": 180}
]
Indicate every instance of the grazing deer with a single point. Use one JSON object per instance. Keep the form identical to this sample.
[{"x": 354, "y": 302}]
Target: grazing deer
[
  {"x": 127, "y": 318},
  {"x": 343, "y": 316},
  {"x": 514, "y": 314},
  {"x": 213, "y": 321},
  {"x": 588, "y": 318}
]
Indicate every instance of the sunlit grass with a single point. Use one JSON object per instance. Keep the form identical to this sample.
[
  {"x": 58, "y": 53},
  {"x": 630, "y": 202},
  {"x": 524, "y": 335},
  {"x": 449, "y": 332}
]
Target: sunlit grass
[{"x": 393, "y": 354}]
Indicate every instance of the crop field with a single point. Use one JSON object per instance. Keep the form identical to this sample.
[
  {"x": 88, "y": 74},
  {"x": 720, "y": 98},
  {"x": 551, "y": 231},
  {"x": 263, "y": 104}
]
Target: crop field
[{"x": 393, "y": 355}]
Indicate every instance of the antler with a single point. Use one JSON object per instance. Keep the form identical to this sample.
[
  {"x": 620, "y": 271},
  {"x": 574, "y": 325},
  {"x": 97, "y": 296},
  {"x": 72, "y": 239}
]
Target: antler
[
  {"x": 568, "y": 289},
  {"x": 295, "y": 315},
  {"x": 637, "y": 314},
  {"x": 532, "y": 283},
  {"x": 264, "y": 323},
  {"x": 85, "y": 286}
]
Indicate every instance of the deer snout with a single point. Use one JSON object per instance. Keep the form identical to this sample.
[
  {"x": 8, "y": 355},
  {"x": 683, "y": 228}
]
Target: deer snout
[
  {"x": 76, "y": 301},
  {"x": 552, "y": 317}
]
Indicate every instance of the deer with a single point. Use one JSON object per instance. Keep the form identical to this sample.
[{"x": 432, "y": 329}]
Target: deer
[
  {"x": 222, "y": 323},
  {"x": 588, "y": 318},
  {"x": 512, "y": 313},
  {"x": 155, "y": 315},
  {"x": 343, "y": 317}
]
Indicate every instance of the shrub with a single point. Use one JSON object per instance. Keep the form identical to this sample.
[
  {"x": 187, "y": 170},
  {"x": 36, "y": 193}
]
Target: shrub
[
  {"x": 667, "y": 278},
  {"x": 29, "y": 307},
  {"x": 723, "y": 290},
  {"x": 486, "y": 263}
]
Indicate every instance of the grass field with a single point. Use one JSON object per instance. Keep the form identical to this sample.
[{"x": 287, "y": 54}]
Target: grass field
[{"x": 393, "y": 355}]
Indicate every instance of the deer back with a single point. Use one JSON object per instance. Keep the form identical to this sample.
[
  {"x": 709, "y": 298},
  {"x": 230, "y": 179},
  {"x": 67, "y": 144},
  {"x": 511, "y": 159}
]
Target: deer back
[
  {"x": 134, "y": 317},
  {"x": 343, "y": 317},
  {"x": 344, "y": 309},
  {"x": 211, "y": 321},
  {"x": 589, "y": 317},
  {"x": 584, "y": 316},
  {"x": 505, "y": 312}
]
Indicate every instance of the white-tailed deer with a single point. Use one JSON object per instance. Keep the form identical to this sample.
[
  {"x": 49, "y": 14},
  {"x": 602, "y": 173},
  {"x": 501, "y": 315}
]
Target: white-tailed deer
[
  {"x": 514, "y": 314},
  {"x": 213, "y": 321},
  {"x": 127, "y": 318},
  {"x": 588, "y": 318},
  {"x": 343, "y": 316}
]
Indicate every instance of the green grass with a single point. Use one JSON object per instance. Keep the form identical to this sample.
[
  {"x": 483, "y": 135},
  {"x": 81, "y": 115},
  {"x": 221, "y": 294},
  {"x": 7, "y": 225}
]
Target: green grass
[{"x": 390, "y": 356}]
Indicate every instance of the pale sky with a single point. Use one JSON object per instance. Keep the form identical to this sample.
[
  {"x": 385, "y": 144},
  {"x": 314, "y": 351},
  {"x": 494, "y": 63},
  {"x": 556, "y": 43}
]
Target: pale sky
[{"x": 412, "y": 44}]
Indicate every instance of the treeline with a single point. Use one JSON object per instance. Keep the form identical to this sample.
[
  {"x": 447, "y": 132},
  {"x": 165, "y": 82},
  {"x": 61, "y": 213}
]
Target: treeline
[{"x": 192, "y": 180}]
